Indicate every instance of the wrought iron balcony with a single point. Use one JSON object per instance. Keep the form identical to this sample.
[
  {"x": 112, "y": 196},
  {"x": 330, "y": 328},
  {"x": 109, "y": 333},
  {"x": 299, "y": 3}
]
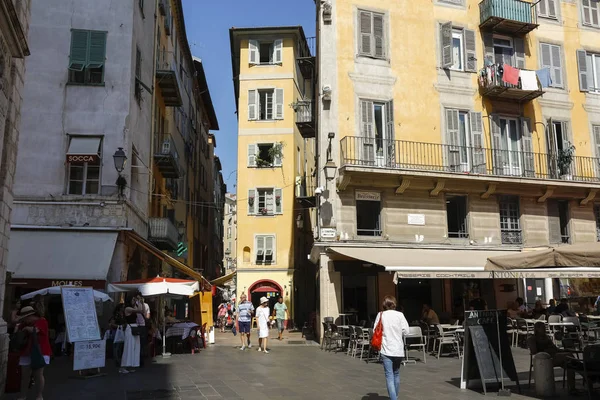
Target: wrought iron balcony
[
  {"x": 514, "y": 17},
  {"x": 166, "y": 157},
  {"x": 163, "y": 233},
  {"x": 305, "y": 120},
  {"x": 443, "y": 158},
  {"x": 305, "y": 191},
  {"x": 306, "y": 57},
  {"x": 168, "y": 79},
  {"x": 492, "y": 85}
]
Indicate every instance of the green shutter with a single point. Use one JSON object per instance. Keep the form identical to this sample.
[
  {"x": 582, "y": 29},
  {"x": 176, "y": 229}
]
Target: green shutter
[
  {"x": 79, "y": 45},
  {"x": 97, "y": 52}
]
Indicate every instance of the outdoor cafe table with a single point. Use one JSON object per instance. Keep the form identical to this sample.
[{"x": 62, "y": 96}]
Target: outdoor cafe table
[
  {"x": 344, "y": 315},
  {"x": 561, "y": 324}
]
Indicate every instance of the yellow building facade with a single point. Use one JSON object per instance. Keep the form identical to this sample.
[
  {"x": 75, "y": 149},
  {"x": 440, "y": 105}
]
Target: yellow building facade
[
  {"x": 463, "y": 129},
  {"x": 273, "y": 87}
]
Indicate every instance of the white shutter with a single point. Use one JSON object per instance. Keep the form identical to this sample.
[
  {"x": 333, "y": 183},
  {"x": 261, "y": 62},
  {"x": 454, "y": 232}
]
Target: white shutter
[
  {"x": 253, "y": 52},
  {"x": 252, "y": 108},
  {"x": 252, "y": 155},
  {"x": 527, "y": 145},
  {"x": 278, "y": 103},
  {"x": 260, "y": 249},
  {"x": 479, "y": 165},
  {"x": 446, "y": 44},
  {"x": 552, "y": 8},
  {"x": 452, "y": 135},
  {"x": 470, "y": 50},
  {"x": 543, "y": 8},
  {"x": 252, "y": 201},
  {"x": 365, "y": 44},
  {"x": 596, "y": 129},
  {"x": 270, "y": 247},
  {"x": 584, "y": 73},
  {"x": 278, "y": 154},
  {"x": 587, "y": 12},
  {"x": 557, "y": 79},
  {"x": 278, "y": 203},
  {"x": 367, "y": 132},
  {"x": 379, "y": 35},
  {"x": 278, "y": 51}
]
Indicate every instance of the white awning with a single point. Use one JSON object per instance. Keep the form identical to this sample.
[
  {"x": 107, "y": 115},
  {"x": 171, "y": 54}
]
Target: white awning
[
  {"x": 84, "y": 146},
  {"x": 56, "y": 254}
]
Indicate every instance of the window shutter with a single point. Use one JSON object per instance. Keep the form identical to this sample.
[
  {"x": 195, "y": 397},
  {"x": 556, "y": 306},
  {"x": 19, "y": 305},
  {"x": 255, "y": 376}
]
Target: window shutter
[
  {"x": 488, "y": 48},
  {"x": 390, "y": 147},
  {"x": 479, "y": 166},
  {"x": 278, "y": 51},
  {"x": 587, "y": 12},
  {"x": 543, "y": 8},
  {"x": 379, "y": 35},
  {"x": 584, "y": 74},
  {"x": 527, "y": 144},
  {"x": 366, "y": 122},
  {"x": 253, "y": 52},
  {"x": 596, "y": 129},
  {"x": 551, "y": 8},
  {"x": 278, "y": 203},
  {"x": 446, "y": 44},
  {"x": 366, "y": 33},
  {"x": 452, "y": 137},
  {"x": 553, "y": 222},
  {"x": 252, "y": 207},
  {"x": 260, "y": 246},
  {"x": 252, "y": 155},
  {"x": 97, "y": 54},
  {"x": 278, "y": 103},
  {"x": 270, "y": 246},
  {"x": 252, "y": 108},
  {"x": 498, "y": 156},
  {"x": 470, "y": 51},
  {"x": 519, "y": 53},
  {"x": 546, "y": 57},
  {"x": 278, "y": 153},
  {"x": 557, "y": 79},
  {"x": 138, "y": 63},
  {"x": 79, "y": 50},
  {"x": 566, "y": 135}
]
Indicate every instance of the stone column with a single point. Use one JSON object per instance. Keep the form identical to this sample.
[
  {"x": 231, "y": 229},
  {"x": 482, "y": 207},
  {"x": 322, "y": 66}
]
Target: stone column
[{"x": 330, "y": 291}]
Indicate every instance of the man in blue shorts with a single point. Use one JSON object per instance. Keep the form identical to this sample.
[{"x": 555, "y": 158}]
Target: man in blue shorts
[{"x": 244, "y": 319}]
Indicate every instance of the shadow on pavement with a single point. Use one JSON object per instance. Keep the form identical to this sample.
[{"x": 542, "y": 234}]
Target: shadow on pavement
[{"x": 374, "y": 396}]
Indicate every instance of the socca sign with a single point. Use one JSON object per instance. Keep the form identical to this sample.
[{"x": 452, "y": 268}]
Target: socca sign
[{"x": 82, "y": 158}]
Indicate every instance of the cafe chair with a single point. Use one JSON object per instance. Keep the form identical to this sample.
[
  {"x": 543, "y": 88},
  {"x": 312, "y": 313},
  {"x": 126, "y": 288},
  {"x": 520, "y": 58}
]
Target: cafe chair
[
  {"x": 415, "y": 340},
  {"x": 445, "y": 339},
  {"x": 588, "y": 367}
]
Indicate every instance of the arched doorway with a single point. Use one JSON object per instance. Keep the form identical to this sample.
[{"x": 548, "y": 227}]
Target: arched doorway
[{"x": 267, "y": 288}]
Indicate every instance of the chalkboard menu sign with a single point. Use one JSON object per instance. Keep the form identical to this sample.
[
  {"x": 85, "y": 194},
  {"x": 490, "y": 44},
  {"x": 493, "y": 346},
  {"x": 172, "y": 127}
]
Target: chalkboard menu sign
[
  {"x": 80, "y": 314},
  {"x": 488, "y": 355}
]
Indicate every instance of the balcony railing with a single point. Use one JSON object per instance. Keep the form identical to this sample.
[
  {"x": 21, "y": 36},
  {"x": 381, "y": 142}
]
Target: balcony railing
[
  {"x": 163, "y": 233},
  {"x": 512, "y": 236},
  {"x": 419, "y": 156},
  {"x": 168, "y": 79},
  {"x": 305, "y": 118},
  {"x": 507, "y": 16},
  {"x": 166, "y": 157},
  {"x": 492, "y": 85},
  {"x": 306, "y": 57}
]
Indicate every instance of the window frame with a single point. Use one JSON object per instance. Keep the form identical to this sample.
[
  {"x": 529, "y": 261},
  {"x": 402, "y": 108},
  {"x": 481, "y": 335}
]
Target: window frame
[
  {"x": 266, "y": 91},
  {"x": 273, "y": 260},
  {"x": 594, "y": 72},
  {"x": 385, "y": 35},
  {"x": 547, "y": 15},
  {"x": 265, "y": 191},
  {"x": 509, "y": 213},
  {"x": 86, "y": 69},
  {"x": 512, "y": 47},
  {"x": 597, "y": 218},
  {"x": 460, "y": 35},
  {"x": 562, "y": 64},
  {"x": 597, "y": 9},
  {"x": 458, "y": 235},
  {"x": 85, "y": 171},
  {"x": 364, "y": 232}
]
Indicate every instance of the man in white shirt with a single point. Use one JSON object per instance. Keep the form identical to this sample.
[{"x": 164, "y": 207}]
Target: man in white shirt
[{"x": 141, "y": 319}]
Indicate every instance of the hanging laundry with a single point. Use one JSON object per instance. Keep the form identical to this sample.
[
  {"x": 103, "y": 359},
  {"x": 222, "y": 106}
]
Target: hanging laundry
[
  {"x": 528, "y": 80},
  {"x": 544, "y": 77},
  {"x": 511, "y": 75}
]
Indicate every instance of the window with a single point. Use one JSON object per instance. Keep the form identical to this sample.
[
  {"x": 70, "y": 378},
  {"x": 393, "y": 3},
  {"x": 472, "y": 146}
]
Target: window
[
  {"x": 558, "y": 142},
  {"x": 457, "y": 48},
  {"x": 464, "y": 132},
  {"x": 265, "y": 104},
  {"x": 265, "y": 201},
  {"x": 596, "y": 135},
  {"x": 548, "y": 8},
  {"x": 558, "y": 221},
  {"x": 265, "y": 52},
  {"x": 510, "y": 224},
  {"x": 597, "y": 215},
  {"x": 377, "y": 131},
  {"x": 456, "y": 216},
  {"x": 512, "y": 146},
  {"x": 88, "y": 53},
  {"x": 504, "y": 50},
  {"x": 368, "y": 214},
  {"x": 84, "y": 158},
  {"x": 265, "y": 155},
  {"x": 551, "y": 59},
  {"x": 265, "y": 249},
  {"x": 138, "y": 75},
  {"x": 588, "y": 65},
  {"x": 372, "y": 35},
  {"x": 591, "y": 12}
]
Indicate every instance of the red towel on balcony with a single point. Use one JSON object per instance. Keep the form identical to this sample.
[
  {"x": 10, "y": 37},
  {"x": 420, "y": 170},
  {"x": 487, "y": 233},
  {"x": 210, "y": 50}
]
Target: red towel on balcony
[{"x": 510, "y": 75}]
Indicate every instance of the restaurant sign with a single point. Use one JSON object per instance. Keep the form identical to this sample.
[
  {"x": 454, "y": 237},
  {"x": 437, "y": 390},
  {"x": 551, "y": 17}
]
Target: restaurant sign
[
  {"x": 495, "y": 274},
  {"x": 79, "y": 159},
  {"x": 368, "y": 196},
  {"x": 67, "y": 283}
]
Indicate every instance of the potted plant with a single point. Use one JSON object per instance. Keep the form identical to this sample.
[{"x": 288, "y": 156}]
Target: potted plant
[
  {"x": 264, "y": 211},
  {"x": 278, "y": 200},
  {"x": 564, "y": 160}
]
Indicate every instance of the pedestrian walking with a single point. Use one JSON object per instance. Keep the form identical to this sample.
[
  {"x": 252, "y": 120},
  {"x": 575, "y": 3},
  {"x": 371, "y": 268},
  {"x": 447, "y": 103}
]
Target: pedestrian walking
[
  {"x": 244, "y": 319},
  {"x": 131, "y": 346},
  {"x": 222, "y": 316},
  {"x": 262, "y": 315},
  {"x": 35, "y": 354},
  {"x": 395, "y": 327},
  {"x": 116, "y": 324},
  {"x": 280, "y": 313}
]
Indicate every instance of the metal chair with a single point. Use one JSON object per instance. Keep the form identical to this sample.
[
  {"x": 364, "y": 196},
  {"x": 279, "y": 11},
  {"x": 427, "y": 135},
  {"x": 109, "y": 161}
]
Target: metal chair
[
  {"x": 589, "y": 367},
  {"x": 444, "y": 339},
  {"x": 511, "y": 329},
  {"x": 523, "y": 329},
  {"x": 574, "y": 332},
  {"x": 326, "y": 335},
  {"x": 352, "y": 341},
  {"x": 337, "y": 336}
]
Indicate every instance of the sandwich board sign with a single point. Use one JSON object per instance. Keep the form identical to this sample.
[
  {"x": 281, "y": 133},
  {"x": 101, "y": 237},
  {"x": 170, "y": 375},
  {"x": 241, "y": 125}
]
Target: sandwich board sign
[{"x": 80, "y": 314}]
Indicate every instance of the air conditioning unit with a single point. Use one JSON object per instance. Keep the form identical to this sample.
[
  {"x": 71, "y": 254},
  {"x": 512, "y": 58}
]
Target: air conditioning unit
[{"x": 166, "y": 147}]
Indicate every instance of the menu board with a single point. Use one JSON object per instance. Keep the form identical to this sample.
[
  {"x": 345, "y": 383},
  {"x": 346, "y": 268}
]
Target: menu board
[
  {"x": 89, "y": 355},
  {"x": 80, "y": 314}
]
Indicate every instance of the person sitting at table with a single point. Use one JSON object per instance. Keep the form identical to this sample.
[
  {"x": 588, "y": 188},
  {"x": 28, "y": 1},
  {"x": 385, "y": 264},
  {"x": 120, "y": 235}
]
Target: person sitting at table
[
  {"x": 169, "y": 319},
  {"x": 538, "y": 310},
  {"x": 429, "y": 315},
  {"x": 562, "y": 307},
  {"x": 540, "y": 342},
  {"x": 523, "y": 309},
  {"x": 552, "y": 307}
]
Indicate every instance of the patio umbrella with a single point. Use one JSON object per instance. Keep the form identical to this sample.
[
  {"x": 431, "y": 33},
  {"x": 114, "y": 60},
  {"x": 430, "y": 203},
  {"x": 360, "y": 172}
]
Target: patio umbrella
[
  {"x": 55, "y": 290},
  {"x": 157, "y": 287}
]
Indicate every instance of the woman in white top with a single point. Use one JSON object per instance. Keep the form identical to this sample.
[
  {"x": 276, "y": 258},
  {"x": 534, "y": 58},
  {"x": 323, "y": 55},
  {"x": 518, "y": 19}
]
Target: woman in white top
[
  {"x": 262, "y": 315},
  {"x": 395, "y": 327}
]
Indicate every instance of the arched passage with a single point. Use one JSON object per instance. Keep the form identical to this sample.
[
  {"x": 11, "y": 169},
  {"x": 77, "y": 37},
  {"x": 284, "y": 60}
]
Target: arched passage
[{"x": 267, "y": 288}]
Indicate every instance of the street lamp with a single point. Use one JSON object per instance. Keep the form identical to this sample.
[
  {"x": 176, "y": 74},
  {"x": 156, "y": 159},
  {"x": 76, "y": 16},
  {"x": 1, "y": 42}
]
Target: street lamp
[
  {"x": 330, "y": 166},
  {"x": 119, "y": 158}
]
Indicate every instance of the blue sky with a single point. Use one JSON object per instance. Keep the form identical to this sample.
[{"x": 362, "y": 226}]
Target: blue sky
[{"x": 207, "y": 28}]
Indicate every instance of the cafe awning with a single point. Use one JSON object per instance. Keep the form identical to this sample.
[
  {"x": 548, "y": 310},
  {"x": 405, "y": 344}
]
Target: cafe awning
[
  {"x": 586, "y": 255},
  {"x": 83, "y": 149},
  {"x": 60, "y": 254},
  {"x": 223, "y": 279}
]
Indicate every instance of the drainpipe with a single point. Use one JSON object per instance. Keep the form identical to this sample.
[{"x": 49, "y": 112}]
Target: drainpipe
[{"x": 153, "y": 109}]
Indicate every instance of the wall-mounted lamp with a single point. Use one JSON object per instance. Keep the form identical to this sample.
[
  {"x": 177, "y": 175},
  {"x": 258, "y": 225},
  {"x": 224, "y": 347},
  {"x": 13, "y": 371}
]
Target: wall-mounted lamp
[
  {"x": 119, "y": 159},
  {"x": 330, "y": 168}
]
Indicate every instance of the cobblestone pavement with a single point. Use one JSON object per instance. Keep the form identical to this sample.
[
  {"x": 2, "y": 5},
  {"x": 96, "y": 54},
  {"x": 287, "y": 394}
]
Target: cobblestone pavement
[{"x": 287, "y": 372}]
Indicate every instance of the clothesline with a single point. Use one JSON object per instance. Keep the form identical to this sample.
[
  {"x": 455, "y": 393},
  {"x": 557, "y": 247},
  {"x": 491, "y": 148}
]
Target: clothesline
[{"x": 525, "y": 79}]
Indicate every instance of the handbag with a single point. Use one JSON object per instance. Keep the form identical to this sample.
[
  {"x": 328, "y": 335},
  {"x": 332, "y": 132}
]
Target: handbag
[
  {"x": 135, "y": 330},
  {"x": 377, "y": 334},
  {"x": 37, "y": 358},
  {"x": 119, "y": 335}
]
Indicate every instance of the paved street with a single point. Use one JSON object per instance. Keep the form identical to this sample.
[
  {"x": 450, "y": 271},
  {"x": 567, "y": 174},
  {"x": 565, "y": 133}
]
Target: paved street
[{"x": 288, "y": 372}]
